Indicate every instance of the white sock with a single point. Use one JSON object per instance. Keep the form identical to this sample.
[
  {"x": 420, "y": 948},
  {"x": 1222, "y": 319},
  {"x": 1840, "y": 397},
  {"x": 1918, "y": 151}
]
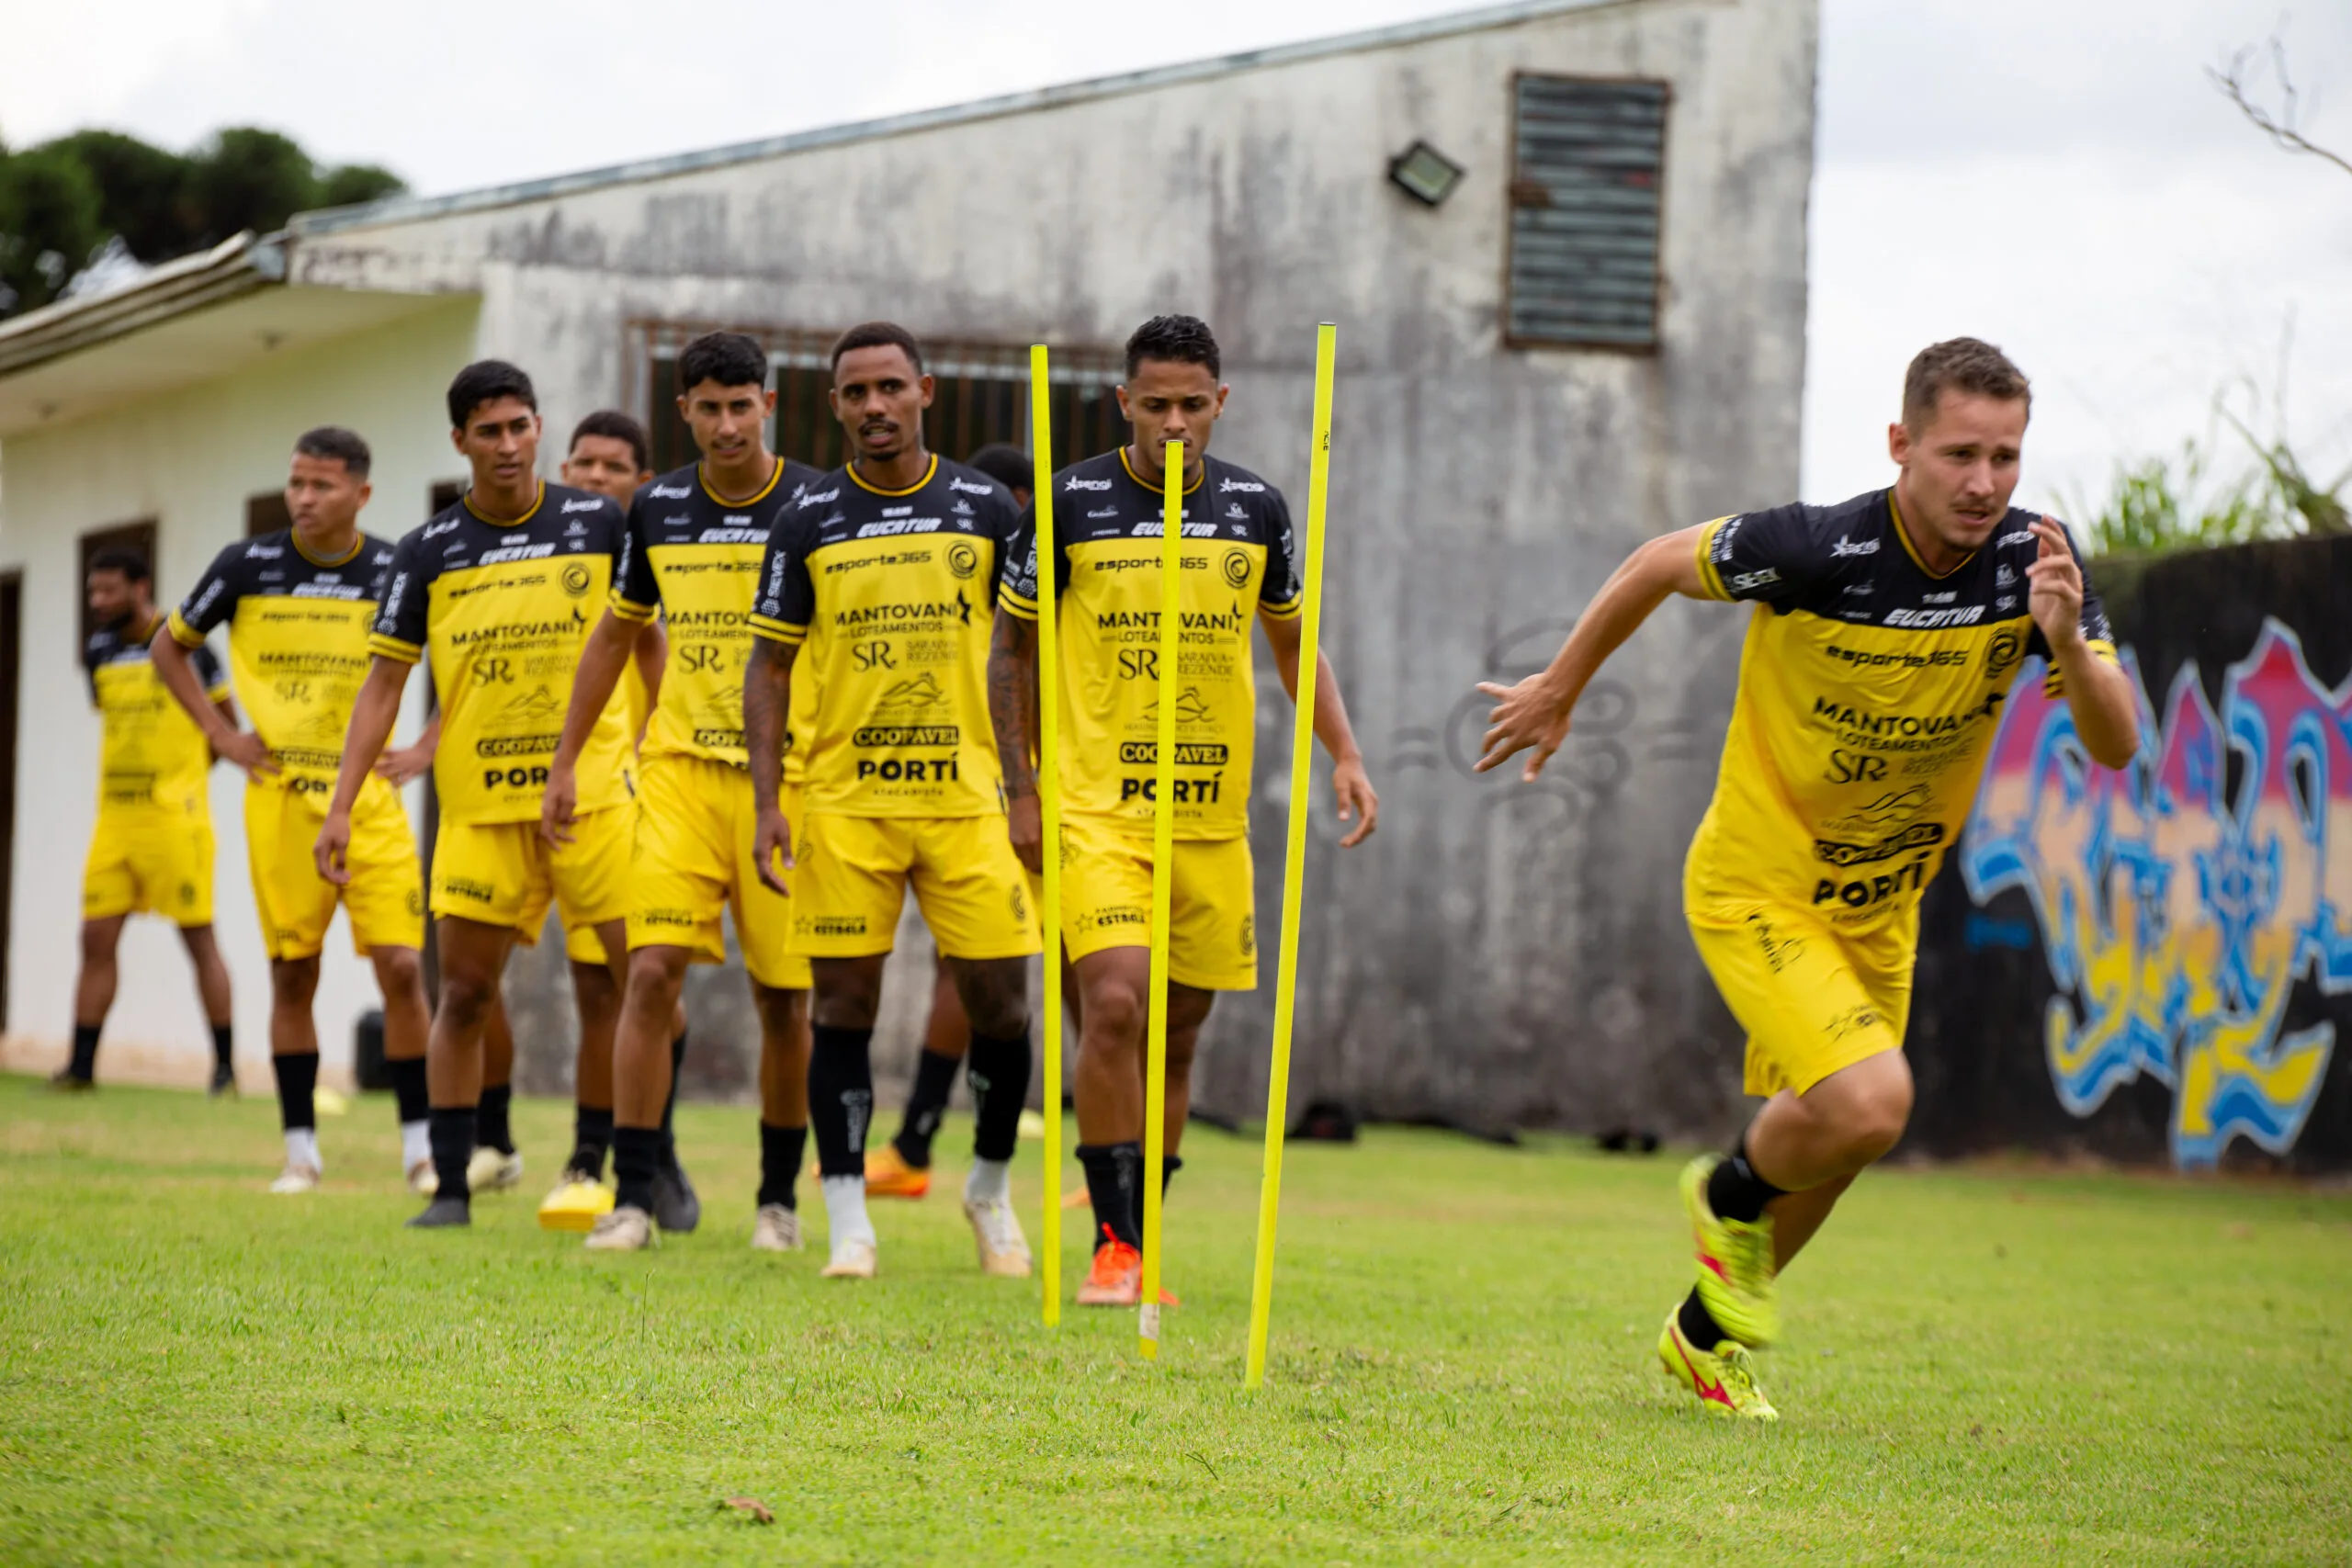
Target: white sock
[
  {"x": 302, "y": 1147},
  {"x": 990, "y": 1182},
  {"x": 846, "y": 1210},
  {"x": 416, "y": 1144}
]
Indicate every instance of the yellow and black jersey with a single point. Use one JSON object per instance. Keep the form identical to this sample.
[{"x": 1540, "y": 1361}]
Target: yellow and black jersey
[
  {"x": 504, "y": 606},
  {"x": 150, "y": 752},
  {"x": 694, "y": 558},
  {"x": 297, "y": 645},
  {"x": 1240, "y": 563},
  {"x": 1868, "y": 690},
  {"x": 891, "y": 595}
]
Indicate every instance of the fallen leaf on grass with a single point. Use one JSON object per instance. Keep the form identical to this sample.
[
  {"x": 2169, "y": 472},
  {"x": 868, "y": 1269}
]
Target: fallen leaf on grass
[{"x": 750, "y": 1507}]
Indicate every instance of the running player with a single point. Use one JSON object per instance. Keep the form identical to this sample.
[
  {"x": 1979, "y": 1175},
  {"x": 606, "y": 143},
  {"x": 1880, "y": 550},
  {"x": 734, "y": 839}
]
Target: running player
[
  {"x": 1238, "y": 558},
  {"x": 495, "y": 587},
  {"x": 883, "y": 577},
  {"x": 151, "y": 848},
  {"x": 693, "y": 552},
  {"x": 297, "y": 604},
  {"x": 1888, "y": 630}
]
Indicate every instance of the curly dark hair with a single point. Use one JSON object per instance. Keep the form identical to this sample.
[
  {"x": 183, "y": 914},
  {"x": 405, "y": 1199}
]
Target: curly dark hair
[
  {"x": 1185, "y": 340},
  {"x": 729, "y": 359},
  {"x": 486, "y": 381}
]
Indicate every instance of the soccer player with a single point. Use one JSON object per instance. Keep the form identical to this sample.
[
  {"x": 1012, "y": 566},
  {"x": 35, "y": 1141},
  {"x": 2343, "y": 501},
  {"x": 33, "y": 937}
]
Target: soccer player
[
  {"x": 496, "y": 588},
  {"x": 298, "y": 604},
  {"x": 693, "y": 544},
  {"x": 1887, "y": 631},
  {"x": 877, "y": 590},
  {"x": 1240, "y": 566},
  {"x": 151, "y": 848}
]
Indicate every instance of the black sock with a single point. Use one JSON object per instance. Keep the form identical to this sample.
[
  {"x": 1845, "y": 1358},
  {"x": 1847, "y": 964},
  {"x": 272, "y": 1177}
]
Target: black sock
[
  {"x": 677, "y": 1065},
  {"x": 841, "y": 1097},
  {"x": 408, "y": 1090},
  {"x": 1110, "y": 1171},
  {"x": 453, "y": 1146},
  {"x": 1168, "y": 1165},
  {"x": 781, "y": 1150},
  {"x": 998, "y": 1071},
  {"x": 298, "y": 1084},
  {"x": 1699, "y": 1326},
  {"x": 935, "y": 1076},
  {"x": 84, "y": 1064},
  {"x": 1734, "y": 1191},
  {"x": 592, "y": 1134},
  {"x": 636, "y": 1154},
  {"x": 489, "y": 1124},
  {"x": 224, "y": 1044}
]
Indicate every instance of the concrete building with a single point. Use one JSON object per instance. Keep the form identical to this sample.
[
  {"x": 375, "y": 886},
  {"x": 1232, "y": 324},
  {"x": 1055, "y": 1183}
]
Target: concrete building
[{"x": 1564, "y": 244}]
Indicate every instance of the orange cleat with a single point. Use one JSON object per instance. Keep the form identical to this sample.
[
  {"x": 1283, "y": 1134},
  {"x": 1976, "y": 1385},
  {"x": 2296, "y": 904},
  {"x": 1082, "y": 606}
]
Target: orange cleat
[
  {"x": 1116, "y": 1278},
  {"x": 888, "y": 1174}
]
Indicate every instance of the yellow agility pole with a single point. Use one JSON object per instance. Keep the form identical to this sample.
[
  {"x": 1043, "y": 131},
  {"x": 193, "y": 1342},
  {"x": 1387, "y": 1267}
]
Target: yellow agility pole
[
  {"x": 1049, "y": 805},
  {"x": 1302, "y": 782},
  {"x": 1163, "y": 876}
]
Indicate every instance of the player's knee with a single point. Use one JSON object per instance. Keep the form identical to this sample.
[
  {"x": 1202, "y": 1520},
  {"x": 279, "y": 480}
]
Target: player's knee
[
  {"x": 996, "y": 998},
  {"x": 1875, "y": 1123},
  {"x": 654, "y": 978},
  {"x": 293, "y": 981},
  {"x": 466, "y": 999},
  {"x": 397, "y": 969},
  {"x": 97, "y": 944},
  {"x": 1116, "y": 1015}
]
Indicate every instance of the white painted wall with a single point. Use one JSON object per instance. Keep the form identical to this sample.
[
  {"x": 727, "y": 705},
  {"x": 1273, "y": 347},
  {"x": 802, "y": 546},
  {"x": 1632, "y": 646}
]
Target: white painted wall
[{"x": 189, "y": 459}]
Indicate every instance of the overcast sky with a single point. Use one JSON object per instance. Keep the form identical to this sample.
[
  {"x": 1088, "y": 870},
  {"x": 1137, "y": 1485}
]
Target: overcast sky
[{"x": 2053, "y": 174}]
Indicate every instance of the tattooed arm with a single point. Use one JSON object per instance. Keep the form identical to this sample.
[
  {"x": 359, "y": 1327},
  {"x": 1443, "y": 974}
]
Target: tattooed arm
[{"x": 1012, "y": 710}]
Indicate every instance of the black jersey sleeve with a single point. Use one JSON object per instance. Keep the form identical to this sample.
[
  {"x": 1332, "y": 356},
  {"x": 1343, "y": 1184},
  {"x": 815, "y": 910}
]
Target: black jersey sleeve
[
  {"x": 1017, "y": 590},
  {"x": 1281, "y": 593},
  {"x": 209, "y": 673},
  {"x": 400, "y": 614},
  {"x": 637, "y": 592},
  {"x": 1770, "y": 556},
  {"x": 214, "y": 598},
  {"x": 787, "y": 596},
  {"x": 1003, "y": 522},
  {"x": 94, "y": 653}
]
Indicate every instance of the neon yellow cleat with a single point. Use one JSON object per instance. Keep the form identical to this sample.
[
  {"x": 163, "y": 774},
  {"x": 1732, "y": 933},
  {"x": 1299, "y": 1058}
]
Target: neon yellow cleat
[
  {"x": 1735, "y": 1278},
  {"x": 1723, "y": 1378},
  {"x": 577, "y": 1205}
]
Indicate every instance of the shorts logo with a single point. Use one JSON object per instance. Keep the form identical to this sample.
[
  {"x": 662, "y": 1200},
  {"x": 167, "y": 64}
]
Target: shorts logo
[
  {"x": 682, "y": 918},
  {"x": 1236, "y": 569},
  {"x": 1020, "y": 904},
  {"x": 417, "y": 900},
  {"x": 1249, "y": 936},
  {"x": 1851, "y": 1019},
  {"x": 575, "y": 579},
  {"x": 1780, "y": 951},
  {"x": 477, "y": 892},
  {"x": 963, "y": 559},
  {"x": 831, "y": 925},
  {"x": 1113, "y": 915}
]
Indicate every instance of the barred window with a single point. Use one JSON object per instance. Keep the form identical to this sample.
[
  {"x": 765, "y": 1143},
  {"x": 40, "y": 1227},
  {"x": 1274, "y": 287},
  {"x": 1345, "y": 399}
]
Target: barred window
[{"x": 1590, "y": 161}]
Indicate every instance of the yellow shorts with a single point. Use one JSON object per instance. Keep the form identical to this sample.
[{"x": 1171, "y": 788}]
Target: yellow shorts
[
  {"x": 1213, "y": 925},
  {"x": 850, "y": 879},
  {"x": 149, "y": 860},
  {"x": 385, "y": 897},
  {"x": 503, "y": 874},
  {"x": 1813, "y": 999},
  {"x": 694, "y": 827}
]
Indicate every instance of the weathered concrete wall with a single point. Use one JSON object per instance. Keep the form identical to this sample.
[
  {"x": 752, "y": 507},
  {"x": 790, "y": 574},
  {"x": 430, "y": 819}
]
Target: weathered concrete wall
[{"x": 1497, "y": 953}]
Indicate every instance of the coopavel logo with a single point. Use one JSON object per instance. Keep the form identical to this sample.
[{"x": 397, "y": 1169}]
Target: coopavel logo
[{"x": 1845, "y": 546}]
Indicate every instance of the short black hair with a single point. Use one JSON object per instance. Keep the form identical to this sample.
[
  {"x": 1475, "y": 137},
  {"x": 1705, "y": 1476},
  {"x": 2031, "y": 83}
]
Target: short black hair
[
  {"x": 617, "y": 426},
  {"x": 130, "y": 563},
  {"x": 878, "y": 334},
  {"x": 1006, "y": 464},
  {"x": 1184, "y": 340},
  {"x": 731, "y": 359},
  {"x": 335, "y": 440},
  {"x": 1960, "y": 365},
  {"x": 486, "y": 381}
]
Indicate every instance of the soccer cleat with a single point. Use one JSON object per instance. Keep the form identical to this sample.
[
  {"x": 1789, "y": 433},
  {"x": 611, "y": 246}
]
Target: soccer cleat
[
  {"x": 65, "y": 1080},
  {"x": 675, "y": 1207},
  {"x": 888, "y": 1174},
  {"x": 423, "y": 1179},
  {"x": 1004, "y": 1251},
  {"x": 776, "y": 1229},
  {"x": 1735, "y": 1278},
  {"x": 493, "y": 1170},
  {"x": 1116, "y": 1278},
  {"x": 296, "y": 1179},
  {"x": 627, "y": 1229},
  {"x": 851, "y": 1259},
  {"x": 443, "y": 1214},
  {"x": 224, "y": 1081},
  {"x": 576, "y": 1204},
  {"x": 1723, "y": 1378},
  {"x": 328, "y": 1102}
]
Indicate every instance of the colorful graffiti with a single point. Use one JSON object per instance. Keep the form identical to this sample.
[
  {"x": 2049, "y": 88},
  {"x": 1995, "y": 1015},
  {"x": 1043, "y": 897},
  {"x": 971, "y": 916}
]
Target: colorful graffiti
[{"x": 2178, "y": 914}]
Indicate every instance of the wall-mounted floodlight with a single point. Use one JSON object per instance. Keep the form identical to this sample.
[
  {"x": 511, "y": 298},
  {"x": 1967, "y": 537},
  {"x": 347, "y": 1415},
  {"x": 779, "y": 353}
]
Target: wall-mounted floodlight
[{"x": 1425, "y": 173}]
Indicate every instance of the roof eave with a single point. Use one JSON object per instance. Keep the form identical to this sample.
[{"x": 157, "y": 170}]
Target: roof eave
[{"x": 236, "y": 267}]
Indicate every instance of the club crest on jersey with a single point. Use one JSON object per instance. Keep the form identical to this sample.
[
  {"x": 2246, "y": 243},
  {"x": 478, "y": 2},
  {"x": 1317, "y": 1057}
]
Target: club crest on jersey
[{"x": 963, "y": 560}]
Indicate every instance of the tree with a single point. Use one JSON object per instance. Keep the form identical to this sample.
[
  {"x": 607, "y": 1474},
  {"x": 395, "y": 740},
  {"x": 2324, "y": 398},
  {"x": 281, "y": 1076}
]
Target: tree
[
  {"x": 348, "y": 185},
  {"x": 249, "y": 178},
  {"x": 49, "y": 226},
  {"x": 142, "y": 191}
]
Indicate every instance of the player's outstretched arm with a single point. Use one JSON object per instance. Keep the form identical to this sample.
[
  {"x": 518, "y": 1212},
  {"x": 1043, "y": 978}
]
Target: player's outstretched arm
[
  {"x": 217, "y": 720},
  {"x": 1353, "y": 786},
  {"x": 767, "y": 699},
  {"x": 1013, "y": 714},
  {"x": 2098, "y": 693},
  {"x": 1532, "y": 716},
  {"x": 602, "y": 659},
  {"x": 373, "y": 712}
]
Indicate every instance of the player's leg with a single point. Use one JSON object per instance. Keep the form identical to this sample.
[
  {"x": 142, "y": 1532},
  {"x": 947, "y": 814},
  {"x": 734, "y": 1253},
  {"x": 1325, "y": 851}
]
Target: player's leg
[
  {"x": 473, "y": 957},
  {"x": 408, "y": 1023},
  {"x": 657, "y": 974},
  {"x": 901, "y": 1168},
  {"x": 784, "y": 1112},
  {"x": 497, "y": 1164},
  {"x": 385, "y": 902},
  {"x": 294, "y": 1062},
  {"x": 1188, "y": 1009},
  {"x": 212, "y": 992},
  {"x": 173, "y": 860},
  {"x": 994, "y": 993},
  {"x": 844, "y": 1001},
  {"x": 94, "y": 990},
  {"x": 675, "y": 1205},
  {"x": 1114, "y": 988}
]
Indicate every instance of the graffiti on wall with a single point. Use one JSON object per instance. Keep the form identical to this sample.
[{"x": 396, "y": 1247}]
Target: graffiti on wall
[{"x": 2178, "y": 907}]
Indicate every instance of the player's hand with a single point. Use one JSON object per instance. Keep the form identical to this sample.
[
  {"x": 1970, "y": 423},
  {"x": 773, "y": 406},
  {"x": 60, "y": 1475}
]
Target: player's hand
[
  {"x": 771, "y": 847},
  {"x": 248, "y": 751},
  {"x": 1025, "y": 824},
  {"x": 2055, "y": 587},
  {"x": 1358, "y": 801},
  {"x": 399, "y": 764},
  {"x": 335, "y": 844},
  {"x": 1527, "y": 716},
  {"x": 560, "y": 806}
]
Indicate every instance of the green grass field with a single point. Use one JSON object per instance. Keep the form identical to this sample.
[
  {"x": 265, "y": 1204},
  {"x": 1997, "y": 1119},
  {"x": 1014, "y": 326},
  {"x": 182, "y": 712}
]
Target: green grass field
[{"x": 1982, "y": 1365}]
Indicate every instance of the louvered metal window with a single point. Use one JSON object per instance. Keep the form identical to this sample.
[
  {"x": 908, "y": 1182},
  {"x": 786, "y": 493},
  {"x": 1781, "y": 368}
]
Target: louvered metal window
[{"x": 1584, "y": 222}]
